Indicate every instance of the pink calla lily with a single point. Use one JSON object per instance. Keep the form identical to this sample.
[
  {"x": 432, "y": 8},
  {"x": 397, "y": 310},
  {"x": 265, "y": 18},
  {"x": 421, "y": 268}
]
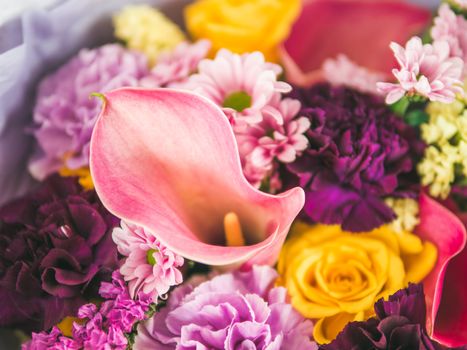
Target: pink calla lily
[
  {"x": 327, "y": 28},
  {"x": 447, "y": 307},
  {"x": 167, "y": 160}
]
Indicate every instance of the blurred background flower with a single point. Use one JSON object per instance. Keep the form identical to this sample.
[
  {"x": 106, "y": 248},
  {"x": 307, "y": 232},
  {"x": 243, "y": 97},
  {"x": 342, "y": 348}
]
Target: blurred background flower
[
  {"x": 242, "y": 26},
  {"x": 148, "y": 30}
]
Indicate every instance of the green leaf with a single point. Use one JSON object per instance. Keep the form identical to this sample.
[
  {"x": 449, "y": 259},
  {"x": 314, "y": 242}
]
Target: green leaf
[
  {"x": 416, "y": 117},
  {"x": 400, "y": 107}
]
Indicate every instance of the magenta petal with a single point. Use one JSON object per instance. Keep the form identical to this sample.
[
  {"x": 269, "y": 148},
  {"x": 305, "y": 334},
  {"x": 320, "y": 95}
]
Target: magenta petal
[
  {"x": 327, "y": 28},
  {"x": 167, "y": 160},
  {"x": 446, "y": 307}
]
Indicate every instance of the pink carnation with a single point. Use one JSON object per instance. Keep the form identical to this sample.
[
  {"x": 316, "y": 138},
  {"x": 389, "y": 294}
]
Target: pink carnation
[
  {"x": 174, "y": 67},
  {"x": 425, "y": 70},
  {"x": 451, "y": 28},
  {"x": 243, "y": 85},
  {"x": 343, "y": 71},
  {"x": 149, "y": 267}
]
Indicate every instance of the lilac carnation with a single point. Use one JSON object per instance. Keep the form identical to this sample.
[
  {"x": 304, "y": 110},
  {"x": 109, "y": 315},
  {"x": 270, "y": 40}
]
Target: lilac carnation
[
  {"x": 359, "y": 152},
  {"x": 55, "y": 244},
  {"x": 239, "y": 310},
  {"x": 64, "y": 115},
  {"x": 399, "y": 324}
]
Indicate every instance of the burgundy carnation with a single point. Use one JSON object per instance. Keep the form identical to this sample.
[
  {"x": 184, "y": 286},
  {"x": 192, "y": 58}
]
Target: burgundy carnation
[
  {"x": 54, "y": 245},
  {"x": 359, "y": 152},
  {"x": 399, "y": 325}
]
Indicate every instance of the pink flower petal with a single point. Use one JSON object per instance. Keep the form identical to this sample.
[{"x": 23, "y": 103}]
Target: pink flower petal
[
  {"x": 167, "y": 160},
  {"x": 327, "y": 28},
  {"x": 447, "y": 307}
]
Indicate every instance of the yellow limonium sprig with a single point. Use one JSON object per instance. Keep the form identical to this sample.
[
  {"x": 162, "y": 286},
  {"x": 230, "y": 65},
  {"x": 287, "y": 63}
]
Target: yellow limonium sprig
[
  {"x": 406, "y": 210},
  {"x": 147, "y": 30}
]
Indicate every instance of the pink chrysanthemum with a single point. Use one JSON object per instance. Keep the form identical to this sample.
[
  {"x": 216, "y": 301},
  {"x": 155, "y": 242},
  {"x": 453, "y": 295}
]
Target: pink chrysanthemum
[
  {"x": 425, "y": 70},
  {"x": 451, "y": 28},
  {"x": 174, "y": 67},
  {"x": 272, "y": 139},
  {"x": 149, "y": 267},
  {"x": 244, "y": 85},
  {"x": 343, "y": 71}
]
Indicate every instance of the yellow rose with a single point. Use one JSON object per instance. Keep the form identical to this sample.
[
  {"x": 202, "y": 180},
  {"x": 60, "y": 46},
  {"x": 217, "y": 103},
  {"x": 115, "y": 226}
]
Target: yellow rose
[
  {"x": 335, "y": 277},
  {"x": 243, "y": 25}
]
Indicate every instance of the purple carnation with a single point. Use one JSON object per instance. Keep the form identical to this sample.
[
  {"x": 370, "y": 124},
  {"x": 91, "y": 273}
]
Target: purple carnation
[
  {"x": 239, "y": 310},
  {"x": 64, "y": 115},
  {"x": 55, "y": 245},
  {"x": 399, "y": 325},
  {"x": 359, "y": 152}
]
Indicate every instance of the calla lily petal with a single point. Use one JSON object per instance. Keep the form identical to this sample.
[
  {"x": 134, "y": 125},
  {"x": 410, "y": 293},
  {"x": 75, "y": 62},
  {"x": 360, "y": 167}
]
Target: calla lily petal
[
  {"x": 447, "y": 307},
  {"x": 327, "y": 28},
  {"x": 167, "y": 160}
]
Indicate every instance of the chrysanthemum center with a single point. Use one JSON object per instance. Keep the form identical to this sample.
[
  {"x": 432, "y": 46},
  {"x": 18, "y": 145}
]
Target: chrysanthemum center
[
  {"x": 238, "y": 101},
  {"x": 150, "y": 256}
]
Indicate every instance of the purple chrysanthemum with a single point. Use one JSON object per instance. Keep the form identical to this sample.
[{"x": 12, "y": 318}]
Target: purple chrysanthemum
[
  {"x": 358, "y": 152},
  {"x": 239, "y": 310},
  {"x": 55, "y": 244},
  {"x": 399, "y": 324},
  {"x": 64, "y": 115}
]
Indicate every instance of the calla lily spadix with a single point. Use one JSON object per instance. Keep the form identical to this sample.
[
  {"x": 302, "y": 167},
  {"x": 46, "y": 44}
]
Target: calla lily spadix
[{"x": 167, "y": 160}]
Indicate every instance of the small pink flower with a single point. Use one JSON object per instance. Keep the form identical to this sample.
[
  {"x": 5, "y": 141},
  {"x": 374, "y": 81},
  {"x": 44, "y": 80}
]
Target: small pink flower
[
  {"x": 243, "y": 85},
  {"x": 343, "y": 71},
  {"x": 453, "y": 29},
  {"x": 272, "y": 139},
  {"x": 149, "y": 267},
  {"x": 425, "y": 70},
  {"x": 175, "y": 66}
]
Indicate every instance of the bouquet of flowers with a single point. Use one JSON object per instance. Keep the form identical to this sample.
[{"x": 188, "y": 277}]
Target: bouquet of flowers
[{"x": 227, "y": 174}]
